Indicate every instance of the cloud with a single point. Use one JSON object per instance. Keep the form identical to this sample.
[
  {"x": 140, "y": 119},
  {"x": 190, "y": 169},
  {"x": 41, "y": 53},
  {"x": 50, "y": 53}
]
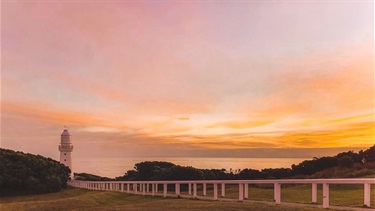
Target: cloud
[
  {"x": 183, "y": 118},
  {"x": 243, "y": 124},
  {"x": 49, "y": 114},
  {"x": 189, "y": 76},
  {"x": 320, "y": 88}
]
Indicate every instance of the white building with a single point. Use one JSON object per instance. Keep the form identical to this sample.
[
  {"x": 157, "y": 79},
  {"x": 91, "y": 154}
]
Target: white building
[{"x": 66, "y": 149}]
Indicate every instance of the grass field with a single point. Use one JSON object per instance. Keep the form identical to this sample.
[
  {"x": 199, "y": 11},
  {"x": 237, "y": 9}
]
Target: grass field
[{"x": 79, "y": 199}]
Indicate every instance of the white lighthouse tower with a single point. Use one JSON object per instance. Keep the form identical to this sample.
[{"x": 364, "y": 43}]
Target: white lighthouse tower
[{"x": 66, "y": 149}]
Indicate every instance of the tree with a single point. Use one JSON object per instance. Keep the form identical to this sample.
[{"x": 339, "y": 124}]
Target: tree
[
  {"x": 90, "y": 177},
  {"x": 346, "y": 162},
  {"x": 369, "y": 154},
  {"x": 150, "y": 170},
  {"x": 250, "y": 174},
  {"x": 356, "y": 157},
  {"x": 277, "y": 173},
  {"x": 184, "y": 173},
  {"x": 24, "y": 173},
  {"x": 309, "y": 167}
]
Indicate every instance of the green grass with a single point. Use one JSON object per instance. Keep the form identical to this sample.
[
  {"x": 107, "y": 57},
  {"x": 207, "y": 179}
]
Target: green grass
[{"x": 79, "y": 199}]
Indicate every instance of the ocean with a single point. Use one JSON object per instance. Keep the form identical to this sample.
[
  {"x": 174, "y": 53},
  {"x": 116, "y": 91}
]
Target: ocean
[{"x": 114, "y": 167}]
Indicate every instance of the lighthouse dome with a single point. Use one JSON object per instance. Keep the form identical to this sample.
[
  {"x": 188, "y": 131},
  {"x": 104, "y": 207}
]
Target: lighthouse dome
[{"x": 65, "y": 133}]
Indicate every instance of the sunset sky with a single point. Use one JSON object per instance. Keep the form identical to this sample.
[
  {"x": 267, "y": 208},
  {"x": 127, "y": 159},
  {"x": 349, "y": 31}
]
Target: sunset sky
[{"x": 170, "y": 78}]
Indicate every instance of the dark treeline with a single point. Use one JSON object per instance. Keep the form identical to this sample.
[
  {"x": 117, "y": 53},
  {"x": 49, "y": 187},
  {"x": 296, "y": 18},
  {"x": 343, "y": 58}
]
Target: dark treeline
[
  {"x": 155, "y": 170},
  {"x": 22, "y": 173},
  {"x": 90, "y": 177}
]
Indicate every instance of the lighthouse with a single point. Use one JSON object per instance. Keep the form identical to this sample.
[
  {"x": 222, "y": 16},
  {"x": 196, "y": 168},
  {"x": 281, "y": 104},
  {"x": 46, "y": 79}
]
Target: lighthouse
[{"x": 66, "y": 149}]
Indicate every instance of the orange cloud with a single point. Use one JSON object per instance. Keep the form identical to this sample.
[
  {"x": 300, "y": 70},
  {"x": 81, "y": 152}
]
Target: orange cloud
[
  {"x": 183, "y": 118},
  {"x": 243, "y": 124},
  {"x": 340, "y": 86},
  {"x": 46, "y": 113}
]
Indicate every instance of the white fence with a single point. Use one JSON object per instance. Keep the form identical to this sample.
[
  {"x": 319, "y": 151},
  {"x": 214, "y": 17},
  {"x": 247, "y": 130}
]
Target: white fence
[{"x": 151, "y": 187}]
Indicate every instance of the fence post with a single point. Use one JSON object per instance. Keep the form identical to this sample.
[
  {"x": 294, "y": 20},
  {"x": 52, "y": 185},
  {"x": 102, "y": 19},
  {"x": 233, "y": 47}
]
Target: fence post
[
  {"x": 215, "y": 191},
  {"x": 277, "y": 192},
  {"x": 314, "y": 192},
  {"x": 177, "y": 187},
  {"x": 246, "y": 191},
  {"x": 367, "y": 188},
  {"x": 240, "y": 191},
  {"x": 194, "y": 190},
  {"x": 222, "y": 189},
  {"x": 325, "y": 195},
  {"x": 189, "y": 188},
  {"x": 204, "y": 189},
  {"x": 165, "y": 187}
]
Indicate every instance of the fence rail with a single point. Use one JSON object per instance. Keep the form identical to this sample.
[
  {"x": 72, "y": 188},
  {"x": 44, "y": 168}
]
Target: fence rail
[{"x": 151, "y": 187}]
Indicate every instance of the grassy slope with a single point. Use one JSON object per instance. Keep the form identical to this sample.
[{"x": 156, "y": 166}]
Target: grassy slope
[{"x": 78, "y": 199}]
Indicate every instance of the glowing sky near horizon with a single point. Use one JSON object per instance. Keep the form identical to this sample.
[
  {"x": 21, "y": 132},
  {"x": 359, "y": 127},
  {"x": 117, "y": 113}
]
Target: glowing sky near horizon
[{"x": 135, "y": 77}]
